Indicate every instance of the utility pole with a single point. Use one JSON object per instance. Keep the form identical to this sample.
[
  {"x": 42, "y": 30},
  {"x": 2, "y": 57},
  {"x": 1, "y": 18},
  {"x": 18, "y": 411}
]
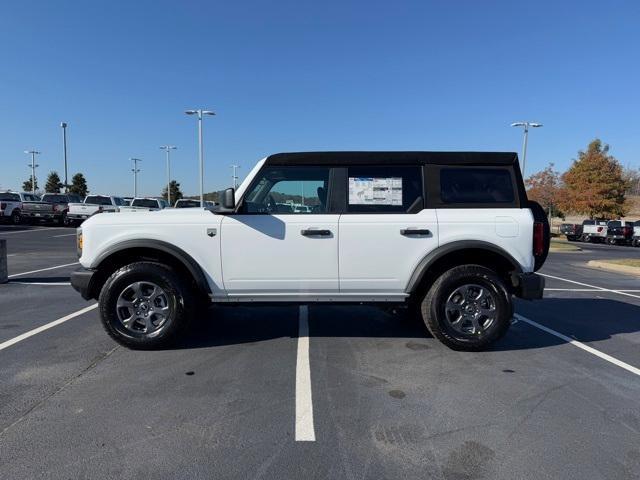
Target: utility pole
[
  {"x": 135, "y": 171},
  {"x": 33, "y": 166},
  {"x": 526, "y": 126},
  {"x": 200, "y": 113},
  {"x": 167, "y": 149},
  {"x": 235, "y": 176},
  {"x": 64, "y": 149}
]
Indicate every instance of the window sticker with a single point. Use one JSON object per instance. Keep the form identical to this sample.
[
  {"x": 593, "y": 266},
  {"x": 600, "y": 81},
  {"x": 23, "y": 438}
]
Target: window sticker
[{"x": 375, "y": 191}]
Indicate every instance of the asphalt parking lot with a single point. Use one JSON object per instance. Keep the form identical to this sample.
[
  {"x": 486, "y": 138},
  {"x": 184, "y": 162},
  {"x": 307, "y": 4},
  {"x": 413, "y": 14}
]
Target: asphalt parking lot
[{"x": 365, "y": 395}]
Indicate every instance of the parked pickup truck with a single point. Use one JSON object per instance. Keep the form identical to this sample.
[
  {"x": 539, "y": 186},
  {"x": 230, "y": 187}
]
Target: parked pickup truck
[
  {"x": 594, "y": 231},
  {"x": 11, "y": 205},
  {"x": 79, "y": 212},
  {"x": 145, "y": 205},
  {"x": 52, "y": 207},
  {"x": 452, "y": 236},
  {"x": 573, "y": 231},
  {"x": 619, "y": 232},
  {"x": 635, "y": 240},
  {"x": 191, "y": 203}
]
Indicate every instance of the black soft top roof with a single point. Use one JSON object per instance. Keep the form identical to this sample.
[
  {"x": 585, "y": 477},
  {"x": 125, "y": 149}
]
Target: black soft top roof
[{"x": 386, "y": 158}]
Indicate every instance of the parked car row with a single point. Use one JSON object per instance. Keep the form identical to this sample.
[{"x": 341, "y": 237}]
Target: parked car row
[
  {"x": 612, "y": 232},
  {"x": 71, "y": 210}
]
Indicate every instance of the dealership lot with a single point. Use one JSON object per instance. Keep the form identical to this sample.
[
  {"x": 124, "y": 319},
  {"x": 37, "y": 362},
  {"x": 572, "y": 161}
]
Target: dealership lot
[{"x": 385, "y": 400}]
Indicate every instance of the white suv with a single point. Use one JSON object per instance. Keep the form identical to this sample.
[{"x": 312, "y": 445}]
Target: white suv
[{"x": 452, "y": 235}]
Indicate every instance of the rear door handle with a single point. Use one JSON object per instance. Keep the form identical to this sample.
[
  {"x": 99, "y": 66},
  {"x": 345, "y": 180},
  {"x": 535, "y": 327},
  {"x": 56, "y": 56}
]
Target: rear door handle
[
  {"x": 315, "y": 233},
  {"x": 415, "y": 231}
]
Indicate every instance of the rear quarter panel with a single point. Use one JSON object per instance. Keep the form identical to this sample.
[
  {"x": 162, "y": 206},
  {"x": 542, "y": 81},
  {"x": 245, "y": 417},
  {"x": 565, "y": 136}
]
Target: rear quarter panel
[{"x": 511, "y": 229}]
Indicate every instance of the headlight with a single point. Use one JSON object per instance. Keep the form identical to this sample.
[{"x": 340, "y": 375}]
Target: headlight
[{"x": 79, "y": 241}]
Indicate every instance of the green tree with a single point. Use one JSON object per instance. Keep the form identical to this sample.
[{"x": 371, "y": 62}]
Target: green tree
[
  {"x": 176, "y": 193},
  {"x": 53, "y": 184},
  {"x": 79, "y": 185},
  {"x": 595, "y": 184},
  {"x": 26, "y": 185},
  {"x": 544, "y": 187}
]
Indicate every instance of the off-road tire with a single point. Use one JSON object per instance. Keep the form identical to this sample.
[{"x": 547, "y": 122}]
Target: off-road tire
[
  {"x": 179, "y": 295},
  {"x": 433, "y": 307}
]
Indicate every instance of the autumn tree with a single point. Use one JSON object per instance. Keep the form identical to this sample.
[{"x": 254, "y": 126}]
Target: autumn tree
[
  {"x": 176, "y": 193},
  {"x": 53, "y": 184},
  {"x": 595, "y": 185},
  {"x": 544, "y": 187},
  {"x": 79, "y": 185}
]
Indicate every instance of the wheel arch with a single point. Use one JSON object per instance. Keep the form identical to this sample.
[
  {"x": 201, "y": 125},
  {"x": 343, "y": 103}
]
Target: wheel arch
[
  {"x": 123, "y": 253},
  {"x": 463, "y": 252}
]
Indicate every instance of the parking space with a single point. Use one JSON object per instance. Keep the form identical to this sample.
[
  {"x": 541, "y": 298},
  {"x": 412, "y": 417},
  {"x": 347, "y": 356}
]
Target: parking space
[{"x": 378, "y": 398}]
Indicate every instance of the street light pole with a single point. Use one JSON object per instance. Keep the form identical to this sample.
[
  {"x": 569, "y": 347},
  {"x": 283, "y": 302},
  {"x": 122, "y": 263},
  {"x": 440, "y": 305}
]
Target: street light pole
[
  {"x": 235, "y": 176},
  {"x": 64, "y": 149},
  {"x": 167, "y": 149},
  {"x": 33, "y": 166},
  {"x": 200, "y": 114},
  {"x": 525, "y": 126},
  {"x": 135, "y": 171}
]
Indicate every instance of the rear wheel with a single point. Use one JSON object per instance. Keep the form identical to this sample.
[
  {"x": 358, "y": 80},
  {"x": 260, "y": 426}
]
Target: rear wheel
[
  {"x": 635, "y": 242},
  {"x": 467, "y": 308},
  {"x": 16, "y": 218},
  {"x": 146, "y": 305},
  {"x": 611, "y": 241}
]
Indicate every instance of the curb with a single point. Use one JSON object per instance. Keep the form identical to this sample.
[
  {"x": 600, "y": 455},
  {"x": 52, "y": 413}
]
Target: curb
[{"x": 614, "y": 267}]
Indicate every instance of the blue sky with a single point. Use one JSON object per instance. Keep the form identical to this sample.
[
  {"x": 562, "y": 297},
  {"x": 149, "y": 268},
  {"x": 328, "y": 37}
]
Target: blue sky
[{"x": 296, "y": 75}]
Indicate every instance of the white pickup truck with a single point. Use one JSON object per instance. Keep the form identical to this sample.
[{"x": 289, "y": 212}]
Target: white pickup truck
[
  {"x": 79, "y": 212},
  {"x": 451, "y": 235},
  {"x": 11, "y": 205},
  {"x": 147, "y": 204}
]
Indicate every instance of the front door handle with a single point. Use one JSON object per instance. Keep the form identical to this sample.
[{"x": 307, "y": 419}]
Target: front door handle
[
  {"x": 315, "y": 233},
  {"x": 415, "y": 231}
]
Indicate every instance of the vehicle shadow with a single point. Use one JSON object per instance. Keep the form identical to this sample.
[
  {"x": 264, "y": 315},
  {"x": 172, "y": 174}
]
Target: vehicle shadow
[
  {"x": 61, "y": 279},
  {"x": 586, "y": 320}
]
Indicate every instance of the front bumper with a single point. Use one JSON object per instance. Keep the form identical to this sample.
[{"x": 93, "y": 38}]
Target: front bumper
[
  {"x": 530, "y": 286},
  {"x": 81, "y": 281}
]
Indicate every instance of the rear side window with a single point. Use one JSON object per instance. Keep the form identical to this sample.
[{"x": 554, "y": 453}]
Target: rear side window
[
  {"x": 145, "y": 203},
  {"x": 384, "y": 189},
  {"x": 589, "y": 222},
  {"x": 615, "y": 223},
  {"x": 468, "y": 185}
]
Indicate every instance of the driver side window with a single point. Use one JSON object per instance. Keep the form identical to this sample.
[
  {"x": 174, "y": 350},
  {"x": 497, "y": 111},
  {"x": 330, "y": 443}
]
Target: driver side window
[{"x": 288, "y": 190}]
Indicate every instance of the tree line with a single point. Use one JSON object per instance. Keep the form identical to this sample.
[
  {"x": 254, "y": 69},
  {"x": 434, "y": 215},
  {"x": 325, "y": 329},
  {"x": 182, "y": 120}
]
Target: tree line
[
  {"x": 77, "y": 186},
  {"x": 595, "y": 185}
]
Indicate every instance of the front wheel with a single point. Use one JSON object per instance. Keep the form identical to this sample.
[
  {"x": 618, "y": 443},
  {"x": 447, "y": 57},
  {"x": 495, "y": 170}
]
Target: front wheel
[
  {"x": 467, "y": 308},
  {"x": 635, "y": 242},
  {"x": 611, "y": 241},
  {"x": 145, "y": 305}
]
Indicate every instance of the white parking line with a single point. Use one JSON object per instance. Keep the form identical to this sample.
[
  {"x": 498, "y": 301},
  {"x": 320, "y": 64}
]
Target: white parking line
[
  {"x": 64, "y": 235},
  {"x": 43, "y": 269},
  {"x": 580, "y": 345},
  {"x": 47, "y": 326},
  {"x": 602, "y": 289},
  {"x": 304, "y": 403}
]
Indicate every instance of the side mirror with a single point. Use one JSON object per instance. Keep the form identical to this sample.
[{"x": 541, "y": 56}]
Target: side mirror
[{"x": 228, "y": 199}]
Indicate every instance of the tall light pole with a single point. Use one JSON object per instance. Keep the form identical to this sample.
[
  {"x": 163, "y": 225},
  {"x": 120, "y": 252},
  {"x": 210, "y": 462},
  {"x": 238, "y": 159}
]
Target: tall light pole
[
  {"x": 200, "y": 114},
  {"x": 167, "y": 149},
  {"x": 135, "y": 171},
  {"x": 526, "y": 126},
  {"x": 33, "y": 166},
  {"x": 235, "y": 176},
  {"x": 64, "y": 150}
]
